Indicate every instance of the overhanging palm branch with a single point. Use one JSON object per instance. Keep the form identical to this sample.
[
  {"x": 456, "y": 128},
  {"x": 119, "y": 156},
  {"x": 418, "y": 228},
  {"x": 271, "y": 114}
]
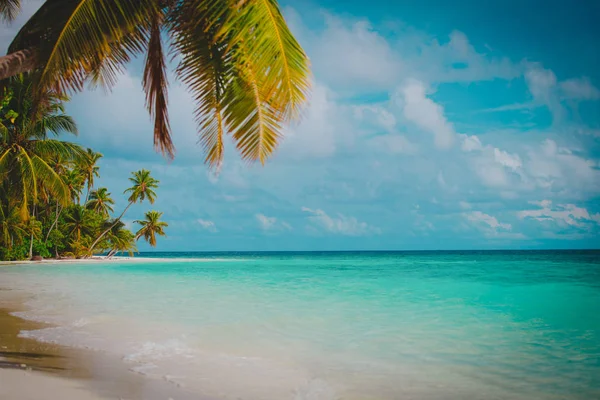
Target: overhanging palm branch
[{"x": 246, "y": 71}]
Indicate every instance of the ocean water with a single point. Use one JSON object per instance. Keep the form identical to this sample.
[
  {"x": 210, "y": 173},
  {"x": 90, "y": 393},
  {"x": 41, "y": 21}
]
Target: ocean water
[{"x": 398, "y": 325}]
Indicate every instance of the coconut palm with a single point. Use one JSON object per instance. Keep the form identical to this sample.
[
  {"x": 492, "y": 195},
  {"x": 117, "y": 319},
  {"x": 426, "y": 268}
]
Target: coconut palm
[
  {"x": 101, "y": 202},
  {"x": 34, "y": 228},
  {"x": 90, "y": 170},
  {"x": 246, "y": 72},
  {"x": 12, "y": 228},
  {"x": 26, "y": 150},
  {"x": 142, "y": 189},
  {"x": 61, "y": 167},
  {"x": 78, "y": 222},
  {"x": 121, "y": 240},
  {"x": 73, "y": 179},
  {"x": 151, "y": 226}
]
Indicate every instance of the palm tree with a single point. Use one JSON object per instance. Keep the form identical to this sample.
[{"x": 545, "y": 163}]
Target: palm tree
[
  {"x": 120, "y": 240},
  {"x": 26, "y": 150},
  {"x": 78, "y": 222},
  {"x": 142, "y": 189},
  {"x": 61, "y": 167},
  {"x": 90, "y": 170},
  {"x": 73, "y": 179},
  {"x": 151, "y": 226},
  {"x": 12, "y": 229},
  {"x": 101, "y": 202},
  {"x": 247, "y": 73},
  {"x": 34, "y": 228}
]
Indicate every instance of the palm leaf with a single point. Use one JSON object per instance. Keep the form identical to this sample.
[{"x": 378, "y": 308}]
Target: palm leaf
[
  {"x": 275, "y": 53},
  {"x": 52, "y": 181},
  {"x": 155, "y": 85},
  {"x": 77, "y": 37},
  {"x": 52, "y": 148},
  {"x": 9, "y": 9},
  {"x": 253, "y": 121},
  {"x": 205, "y": 67}
]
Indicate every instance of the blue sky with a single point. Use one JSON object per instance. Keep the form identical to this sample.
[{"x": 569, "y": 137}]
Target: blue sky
[{"x": 474, "y": 125}]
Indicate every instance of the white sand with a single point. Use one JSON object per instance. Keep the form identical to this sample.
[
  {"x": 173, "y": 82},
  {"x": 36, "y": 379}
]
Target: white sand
[
  {"x": 29, "y": 385},
  {"x": 102, "y": 259}
]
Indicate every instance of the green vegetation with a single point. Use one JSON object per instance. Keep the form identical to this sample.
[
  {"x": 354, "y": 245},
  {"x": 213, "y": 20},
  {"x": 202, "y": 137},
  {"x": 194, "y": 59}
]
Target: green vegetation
[
  {"x": 43, "y": 209},
  {"x": 245, "y": 70}
]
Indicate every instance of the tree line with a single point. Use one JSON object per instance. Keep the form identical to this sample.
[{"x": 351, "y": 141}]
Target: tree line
[{"x": 49, "y": 203}]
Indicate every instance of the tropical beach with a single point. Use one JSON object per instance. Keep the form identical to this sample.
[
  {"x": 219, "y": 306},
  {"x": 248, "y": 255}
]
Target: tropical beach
[
  {"x": 303, "y": 200},
  {"x": 480, "y": 325}
]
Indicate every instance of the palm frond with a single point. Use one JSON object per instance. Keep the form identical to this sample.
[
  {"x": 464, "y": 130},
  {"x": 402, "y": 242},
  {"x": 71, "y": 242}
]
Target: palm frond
[
  {"x": 9, "y": 9},
  {"x": 52, "y": 181},
  {"x": 155, "y": 85},
  {"x": 254, "y": 122},
  {"x": 50, "y": 148},
  {"x": 74, "y": 37},
  {"x": 205, "y": 67},
  {"x": 276, "y": 55},
  {"x": 56, "y": 124}
]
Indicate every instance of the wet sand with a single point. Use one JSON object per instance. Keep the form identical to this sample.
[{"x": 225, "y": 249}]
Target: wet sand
[{"x": 31, "y": 370}]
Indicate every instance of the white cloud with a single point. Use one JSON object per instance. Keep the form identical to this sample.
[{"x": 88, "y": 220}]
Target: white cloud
[
  {"x": 471, "y": 143},
  {"x": 426, "y": 114},
  {"x": 393, "y": 144},
  {"x": 579, "y": 88},
  {"x": 547, "y": 90},
  {"x": 553, "y": 166},
  {"x": 353, "y": 52},
  {"x": 454, "y": 61},
  {"x": 490, "y": 163},
  {"x": 511, "y": 161},
  {"x": 568, "y": 214},
  {"x": 541, "y": 82},
  {"x": 490, "y": 225},
  {"x": 207, "y": 225},
  {"x": 272, "y": 223},
  {"x": 340, "y": 224},
  {"x": 317, "y": 133}
]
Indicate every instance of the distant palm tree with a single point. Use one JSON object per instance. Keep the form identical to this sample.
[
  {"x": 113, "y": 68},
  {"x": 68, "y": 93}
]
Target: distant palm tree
[
  {"x": 12, "y": 228},
  {"x": 60, "y": 166},
  {"x": 121, "y": 240},
  {"x": 151, "y": 226},
  {"x": 26, "y": 151},
  {"x": 245, "y": 70},
  {"x": 142, "y": 189},
  {"x": 100, "y": 202},
  {"x": 73, "y": 179},
  {"x": 34, "y": 229},
  {"x": 78, "y": 222},
  {"x": 90, "y": 170}
]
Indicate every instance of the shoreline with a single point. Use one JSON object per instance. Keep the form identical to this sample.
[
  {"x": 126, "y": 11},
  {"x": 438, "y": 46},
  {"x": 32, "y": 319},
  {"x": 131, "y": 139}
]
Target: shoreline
[
  {"x": 106, "y": 260},
  {"x": 35, "y": 370}
]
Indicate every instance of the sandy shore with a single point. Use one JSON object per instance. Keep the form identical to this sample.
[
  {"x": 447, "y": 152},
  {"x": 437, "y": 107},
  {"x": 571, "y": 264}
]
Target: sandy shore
[
  {"x": 95, "y": 259},
  {"x": 27, "y": 385},
  {"x": 30, "y": 370}
]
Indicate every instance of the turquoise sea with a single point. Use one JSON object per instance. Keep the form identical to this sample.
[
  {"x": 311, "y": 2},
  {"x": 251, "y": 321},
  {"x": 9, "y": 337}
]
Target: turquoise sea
[{"x": 343, "y": 325}]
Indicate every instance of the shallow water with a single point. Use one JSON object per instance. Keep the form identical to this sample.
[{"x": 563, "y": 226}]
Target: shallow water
[{"x": 439, "y": 325}]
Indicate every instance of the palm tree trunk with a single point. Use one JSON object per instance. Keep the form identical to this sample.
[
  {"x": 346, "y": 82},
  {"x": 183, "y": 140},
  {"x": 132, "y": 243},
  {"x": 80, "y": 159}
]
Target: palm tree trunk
[
  {"x": 18, "y": 62},
  {"x": 108, "y": 230},
  {"x": 58, "y": 211},
  {"x": 31, "y": 238},
  {"x": 31, "y": 246}
]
